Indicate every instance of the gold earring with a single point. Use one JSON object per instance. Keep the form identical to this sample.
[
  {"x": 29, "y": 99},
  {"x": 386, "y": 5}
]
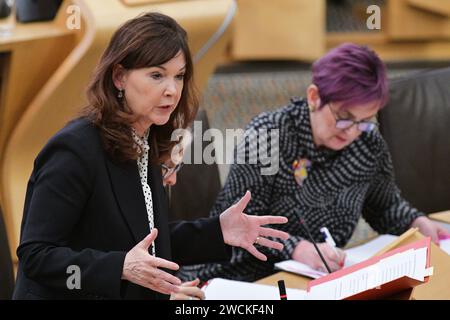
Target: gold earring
[{"x": 311, "y": 108}]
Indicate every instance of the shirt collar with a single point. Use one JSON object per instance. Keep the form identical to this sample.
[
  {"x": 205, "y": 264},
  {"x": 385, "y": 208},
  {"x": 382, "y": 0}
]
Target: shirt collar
[{"x": 142, "y": 142}]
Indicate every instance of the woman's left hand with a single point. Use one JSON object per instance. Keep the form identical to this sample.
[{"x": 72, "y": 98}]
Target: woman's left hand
[
  {"x": 242, "y": 230},
  {"x": 189, "y": 291},
  {"x": 429, "y": 228}
]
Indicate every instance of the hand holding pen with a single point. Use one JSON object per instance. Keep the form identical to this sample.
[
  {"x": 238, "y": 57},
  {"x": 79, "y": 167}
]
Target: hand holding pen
[
  {"x": 319, "y": 256},
  {"x": 339, "y": 254},
  {"x": 307, "y": 254}
]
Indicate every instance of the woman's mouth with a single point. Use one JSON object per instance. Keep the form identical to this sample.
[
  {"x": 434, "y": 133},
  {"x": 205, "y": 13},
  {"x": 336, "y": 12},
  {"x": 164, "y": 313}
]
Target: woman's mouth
[{"x": 165, "y": 107}]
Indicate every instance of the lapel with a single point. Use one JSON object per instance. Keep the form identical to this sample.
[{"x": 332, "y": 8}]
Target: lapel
[
  {"x": 160, "y": 211},
  {"x": 127, "y": 189}
]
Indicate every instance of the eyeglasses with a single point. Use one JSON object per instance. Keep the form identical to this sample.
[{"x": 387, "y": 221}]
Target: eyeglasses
[
  {"x": 344, "y": 124},
  {"x": 168, "y": 171}
]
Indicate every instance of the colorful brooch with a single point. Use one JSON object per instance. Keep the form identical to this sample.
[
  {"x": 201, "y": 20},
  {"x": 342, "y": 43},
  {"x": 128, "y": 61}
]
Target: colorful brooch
[{"x": 300, "y": 167}]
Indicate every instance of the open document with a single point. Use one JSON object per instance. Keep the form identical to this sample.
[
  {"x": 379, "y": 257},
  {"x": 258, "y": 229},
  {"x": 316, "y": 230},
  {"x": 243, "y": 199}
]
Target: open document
[
  {"x": 378, "y": 277},
  {"x": 222, "y": 289},
  {"x": 354, "y": 255}
]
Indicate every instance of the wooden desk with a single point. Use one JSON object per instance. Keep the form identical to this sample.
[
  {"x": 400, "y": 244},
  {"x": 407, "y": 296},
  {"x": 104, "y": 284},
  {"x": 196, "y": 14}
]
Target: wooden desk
[
  {"x": 443, "y": 216},
  {"x": 291, "y": 280}
]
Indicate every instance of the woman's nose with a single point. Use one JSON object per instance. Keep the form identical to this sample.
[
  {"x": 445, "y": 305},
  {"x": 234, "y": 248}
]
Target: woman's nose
[{"x": 171, "y": 89}]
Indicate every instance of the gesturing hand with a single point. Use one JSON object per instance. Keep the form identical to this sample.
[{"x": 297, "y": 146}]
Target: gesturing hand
[
  {"x": 242, "y": 230},
  {"x": 141, "y": 268},
  {"x": 189, "y": 291}
]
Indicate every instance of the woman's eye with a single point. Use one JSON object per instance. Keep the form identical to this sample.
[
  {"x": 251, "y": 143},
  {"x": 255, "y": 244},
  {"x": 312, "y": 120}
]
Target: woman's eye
[
  {"x": 156, "y": 76},
  {"x": 343, "y": 117},
  {"x": 180, "y": 76}
]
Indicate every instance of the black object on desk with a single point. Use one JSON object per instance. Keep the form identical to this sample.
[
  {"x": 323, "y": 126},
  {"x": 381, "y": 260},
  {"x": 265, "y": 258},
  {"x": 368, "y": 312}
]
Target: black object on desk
[{"x": 282, "y": 288}]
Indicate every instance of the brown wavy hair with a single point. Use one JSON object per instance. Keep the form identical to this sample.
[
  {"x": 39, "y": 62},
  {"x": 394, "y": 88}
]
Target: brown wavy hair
[{"x": 148, "y": 40}]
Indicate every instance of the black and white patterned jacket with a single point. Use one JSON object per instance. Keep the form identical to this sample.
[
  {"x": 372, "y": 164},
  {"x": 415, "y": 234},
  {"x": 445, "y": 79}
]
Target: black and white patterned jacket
[{"x": 340, "y": 186}]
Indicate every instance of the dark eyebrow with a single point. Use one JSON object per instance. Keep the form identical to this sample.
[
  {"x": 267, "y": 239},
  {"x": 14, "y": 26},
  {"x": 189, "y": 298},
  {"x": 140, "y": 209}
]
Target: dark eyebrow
[{"x": 161, "y": 67}]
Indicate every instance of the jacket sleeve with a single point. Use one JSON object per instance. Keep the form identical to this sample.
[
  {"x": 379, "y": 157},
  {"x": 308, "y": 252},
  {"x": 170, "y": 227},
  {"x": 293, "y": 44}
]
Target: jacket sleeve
[
  {"x": 385, "y": 209},
  {"x": 58, "y": 190},
  {"x": 199, "y": 241}
]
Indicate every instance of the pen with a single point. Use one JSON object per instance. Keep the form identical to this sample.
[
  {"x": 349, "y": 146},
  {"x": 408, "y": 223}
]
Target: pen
[
  {"x": 303, "y": 223},
  {"x": 329, "y": 239},
  {"x": 282, "y": 288}
]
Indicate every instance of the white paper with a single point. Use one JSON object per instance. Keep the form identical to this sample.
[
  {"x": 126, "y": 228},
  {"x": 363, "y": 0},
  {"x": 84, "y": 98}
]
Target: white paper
[
  {"x": 223, "y": 289},
  {"x": 299, "y": 268},
  {"x": 397, "y": 266},
  {"x": 445, "y": 245},
  {"x": 410, "y": 263},
  {"x": 347, "y": 285},
  {"x": 354, "y": 255},
  {"x": 368, "y": 249},
  {"x": 443, "y": 224}
]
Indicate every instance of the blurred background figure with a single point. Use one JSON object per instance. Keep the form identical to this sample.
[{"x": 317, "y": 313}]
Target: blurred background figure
[{"x": 171, "y": 166}]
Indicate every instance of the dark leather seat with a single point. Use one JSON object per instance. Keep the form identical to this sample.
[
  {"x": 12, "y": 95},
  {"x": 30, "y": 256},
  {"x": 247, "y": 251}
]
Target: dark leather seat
[{"x": 416, "y": 126}]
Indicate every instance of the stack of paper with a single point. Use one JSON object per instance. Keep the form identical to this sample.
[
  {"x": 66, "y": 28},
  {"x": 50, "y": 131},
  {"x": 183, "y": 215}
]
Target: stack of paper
[
  {"x": 222, "y": 289},
  {"x": 398, "y": 266}
]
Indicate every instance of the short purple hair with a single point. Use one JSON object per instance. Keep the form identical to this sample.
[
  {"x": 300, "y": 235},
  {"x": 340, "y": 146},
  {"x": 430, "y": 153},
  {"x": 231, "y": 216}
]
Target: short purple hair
[{"x": 351, "y": 74}]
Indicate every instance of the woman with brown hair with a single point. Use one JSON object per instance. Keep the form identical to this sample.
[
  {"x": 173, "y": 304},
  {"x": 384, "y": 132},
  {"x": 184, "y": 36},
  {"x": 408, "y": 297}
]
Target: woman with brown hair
[{"x": 95, "y": 220}]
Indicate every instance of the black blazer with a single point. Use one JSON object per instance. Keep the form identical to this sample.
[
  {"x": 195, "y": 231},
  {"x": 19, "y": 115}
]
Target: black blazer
[{"x": 83, "y": 209}]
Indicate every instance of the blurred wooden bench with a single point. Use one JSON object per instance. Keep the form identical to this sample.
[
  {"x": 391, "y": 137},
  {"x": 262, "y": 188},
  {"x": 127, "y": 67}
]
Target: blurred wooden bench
[{"x": 296, "y": 30}]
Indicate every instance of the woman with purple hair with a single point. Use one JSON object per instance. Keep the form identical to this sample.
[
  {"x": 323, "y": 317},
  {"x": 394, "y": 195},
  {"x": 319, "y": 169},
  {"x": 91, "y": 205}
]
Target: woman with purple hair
[{"x": 334, "y": 166}]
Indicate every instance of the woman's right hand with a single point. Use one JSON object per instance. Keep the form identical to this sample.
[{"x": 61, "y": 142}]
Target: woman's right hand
[
  {"x": 142, "y": 268},
  {"x": 305, "y": 253}
]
